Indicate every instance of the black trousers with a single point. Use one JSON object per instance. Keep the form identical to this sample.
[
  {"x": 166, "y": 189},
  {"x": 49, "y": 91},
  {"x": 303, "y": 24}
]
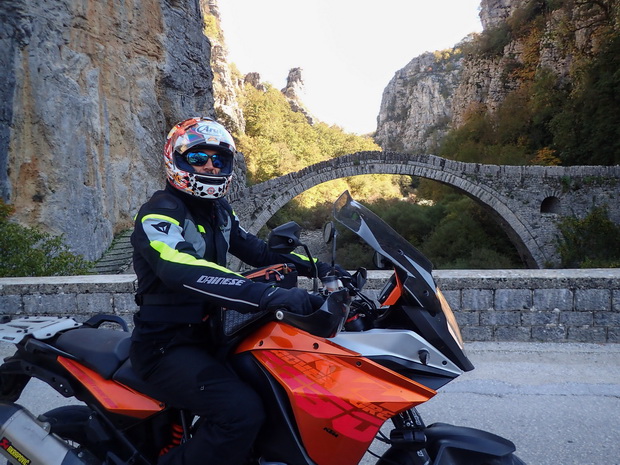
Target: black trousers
[{"x": 189, "y": 377}]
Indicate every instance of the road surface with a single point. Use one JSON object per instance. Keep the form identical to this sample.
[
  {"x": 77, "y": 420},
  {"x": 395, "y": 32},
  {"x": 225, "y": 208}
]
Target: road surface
[{"x": 559, "y": 403}]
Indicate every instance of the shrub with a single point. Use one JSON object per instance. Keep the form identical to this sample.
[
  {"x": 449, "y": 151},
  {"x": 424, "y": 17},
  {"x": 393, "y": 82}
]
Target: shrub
[
  {"x": 25, "y": 251},
  {"x": 454, "y": 233},
  {"x": 591, "y": 242}
]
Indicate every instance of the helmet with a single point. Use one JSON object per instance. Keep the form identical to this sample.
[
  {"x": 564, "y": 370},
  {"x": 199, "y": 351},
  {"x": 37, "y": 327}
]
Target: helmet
[{"x": 191, "y": 135}]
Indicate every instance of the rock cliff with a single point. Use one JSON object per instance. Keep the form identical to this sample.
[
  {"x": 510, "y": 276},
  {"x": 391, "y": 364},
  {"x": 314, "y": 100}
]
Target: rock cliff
[
  {"x": 430, "y": 95},
  {"x": 226, "y": 86},
  {"x": 416, "y": 108},
  {"x": 89, "y": 90},
  {"x": 294, "y": 93},
  {"x": 435, "y": 91}
]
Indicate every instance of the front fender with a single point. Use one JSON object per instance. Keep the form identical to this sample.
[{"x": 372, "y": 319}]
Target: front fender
[{"x": 459, "y": 445}]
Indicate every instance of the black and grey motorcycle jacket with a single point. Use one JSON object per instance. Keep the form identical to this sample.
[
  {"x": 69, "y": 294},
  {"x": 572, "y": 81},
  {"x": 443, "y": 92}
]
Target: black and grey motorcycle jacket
[{"x": 180, "y": 246}]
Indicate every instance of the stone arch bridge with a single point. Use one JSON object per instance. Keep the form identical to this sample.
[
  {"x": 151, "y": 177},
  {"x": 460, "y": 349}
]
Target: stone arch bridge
[{"x": 526, "y": 200}]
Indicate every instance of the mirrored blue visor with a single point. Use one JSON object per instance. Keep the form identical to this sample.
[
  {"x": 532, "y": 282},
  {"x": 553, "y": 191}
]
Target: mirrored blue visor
[
  {"x": 201, "y": 159},
  {"x": 198, "y": 158}
]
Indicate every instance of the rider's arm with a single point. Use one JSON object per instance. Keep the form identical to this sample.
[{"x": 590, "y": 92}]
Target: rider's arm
[
  {"x": 255, "y": 252},
  {"x": 160, "y": 239}
]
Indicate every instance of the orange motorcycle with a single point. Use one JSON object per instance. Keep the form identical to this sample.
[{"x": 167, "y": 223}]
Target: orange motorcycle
[{"x": 331, "y": 381}]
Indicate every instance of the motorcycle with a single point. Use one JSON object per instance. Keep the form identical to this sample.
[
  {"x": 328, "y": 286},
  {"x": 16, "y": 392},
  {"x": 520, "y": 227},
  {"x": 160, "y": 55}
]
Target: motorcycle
[{"x": 330, "y": 381}]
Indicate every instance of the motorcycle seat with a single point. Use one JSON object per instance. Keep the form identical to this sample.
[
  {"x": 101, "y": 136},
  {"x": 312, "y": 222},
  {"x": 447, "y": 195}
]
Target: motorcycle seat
[
  {"x": 101, "y": 350},
  {"x": 127, "y": 375}
]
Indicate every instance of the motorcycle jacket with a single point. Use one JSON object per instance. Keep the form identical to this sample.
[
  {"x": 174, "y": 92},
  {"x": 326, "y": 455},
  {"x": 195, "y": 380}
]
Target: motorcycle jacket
[{"x": 180, "y": 246}]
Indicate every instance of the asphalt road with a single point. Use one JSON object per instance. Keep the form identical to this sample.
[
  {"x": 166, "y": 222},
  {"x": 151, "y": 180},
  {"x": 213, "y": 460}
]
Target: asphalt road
[{"x": 559, "y": 403}]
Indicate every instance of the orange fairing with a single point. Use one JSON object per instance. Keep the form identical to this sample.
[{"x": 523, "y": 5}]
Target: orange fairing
[
  {"x": 115, "y": 397},
  {"x": 339, "y": 398},
  {"x": 393, "y": 297}
]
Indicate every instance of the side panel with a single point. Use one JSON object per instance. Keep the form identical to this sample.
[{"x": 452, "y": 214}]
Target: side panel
[
  {"x": 279, "y": 440},
  {"x": 115, "y": 397},
  {"x": 339, "y": 399}
]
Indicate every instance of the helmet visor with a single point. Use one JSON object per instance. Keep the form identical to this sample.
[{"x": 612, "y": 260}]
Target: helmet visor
[
  {"x": 202, "y": 158},
  {"x": 188, "y": 161}
]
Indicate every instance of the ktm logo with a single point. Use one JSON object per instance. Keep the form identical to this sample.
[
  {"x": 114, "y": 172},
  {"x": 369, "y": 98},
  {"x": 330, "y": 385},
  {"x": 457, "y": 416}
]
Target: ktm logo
[{"x": 162, "y": 227}]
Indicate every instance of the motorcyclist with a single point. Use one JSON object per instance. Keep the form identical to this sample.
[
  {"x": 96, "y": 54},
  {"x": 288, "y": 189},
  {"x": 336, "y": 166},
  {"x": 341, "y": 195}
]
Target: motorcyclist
[{"x": 181, "y": 239}]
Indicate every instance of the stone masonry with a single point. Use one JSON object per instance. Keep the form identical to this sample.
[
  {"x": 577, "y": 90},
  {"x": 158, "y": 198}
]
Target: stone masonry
[
  {"x": 527, "y": 201},
  {"x": 495, "y": 305}
]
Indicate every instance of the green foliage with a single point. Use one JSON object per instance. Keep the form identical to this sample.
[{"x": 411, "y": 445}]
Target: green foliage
[
  {"x": 591, "y": 242},
  {"x": 212, "y": 28},
  {"x": 352, "y": 252},
  {"x": 278, "y": 141},
  {"x": 310, "y": 218},
  {"x": 27, "y": 252},
  {"x": 545, "y": 120},
  {"x": 466, "y": 236},
  {"x": 527, "y": 20},
  {"x": 519, "y": 132},
  {"x": 454, "y": 233},
  {"x": 490, "y": 42},
  {"x": 587, "y": 129}
]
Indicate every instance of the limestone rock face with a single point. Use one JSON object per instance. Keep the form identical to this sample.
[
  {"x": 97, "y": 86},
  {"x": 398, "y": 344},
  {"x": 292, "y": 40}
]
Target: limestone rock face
[
  {"x": 253, "y": 79},
  {"x": 430, "y": 95},
  {"x": 225, "y": 86},
  {"x": 294, "y": 93},
  {"x": 417, "y": 103},
  {"x": 89, "y": 91},
  {"x": 495, "y": 12}
]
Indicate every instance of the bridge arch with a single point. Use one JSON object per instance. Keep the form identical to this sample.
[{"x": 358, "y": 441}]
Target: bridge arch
[{"x": 277, "y": 192}]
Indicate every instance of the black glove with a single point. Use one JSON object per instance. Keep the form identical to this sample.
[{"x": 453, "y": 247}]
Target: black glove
[
  {"x": 294, "y": 300},
  {"x": 325, "y": 270}
]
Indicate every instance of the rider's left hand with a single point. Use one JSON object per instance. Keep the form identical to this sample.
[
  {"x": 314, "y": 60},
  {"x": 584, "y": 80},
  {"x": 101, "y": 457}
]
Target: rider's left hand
[{"x": 327, "y": 270}]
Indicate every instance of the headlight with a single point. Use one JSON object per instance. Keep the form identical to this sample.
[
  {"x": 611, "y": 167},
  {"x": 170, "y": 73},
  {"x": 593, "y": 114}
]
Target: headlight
[{"x": 453, "y": 326}]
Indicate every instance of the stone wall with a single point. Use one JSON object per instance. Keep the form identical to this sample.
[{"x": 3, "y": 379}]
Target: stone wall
[{"x": 494, "y": 305}]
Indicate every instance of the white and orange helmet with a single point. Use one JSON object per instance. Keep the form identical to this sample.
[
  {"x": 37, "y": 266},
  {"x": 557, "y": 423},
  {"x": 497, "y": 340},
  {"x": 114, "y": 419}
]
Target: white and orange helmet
[{"x": 191, "y": 135}]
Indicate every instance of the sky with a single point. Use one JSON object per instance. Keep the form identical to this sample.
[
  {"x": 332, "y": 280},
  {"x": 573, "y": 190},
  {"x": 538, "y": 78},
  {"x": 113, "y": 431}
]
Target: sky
[{"x": 349, "y": 50}]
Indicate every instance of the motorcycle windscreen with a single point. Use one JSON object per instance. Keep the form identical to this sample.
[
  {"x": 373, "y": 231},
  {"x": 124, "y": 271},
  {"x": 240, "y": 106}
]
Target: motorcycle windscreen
[
  {"x": 418, "y": 281},
  {"x": 384, "y": 240}
]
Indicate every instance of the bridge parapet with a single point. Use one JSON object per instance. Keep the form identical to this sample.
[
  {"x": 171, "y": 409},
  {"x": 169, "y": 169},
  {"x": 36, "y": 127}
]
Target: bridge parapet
[{"x": 490, "y": 305}]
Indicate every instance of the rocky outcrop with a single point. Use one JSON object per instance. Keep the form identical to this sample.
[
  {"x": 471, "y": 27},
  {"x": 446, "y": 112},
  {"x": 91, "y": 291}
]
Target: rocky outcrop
[
  {"x": 495, "y": 12},
  {"x": 423, "y": 100},
  {"x": 416, "y": 107},
  {"x": 225, "y": 85},
  {"x": 434, "y": 91},
  {"x": 294, "y": 93},
  {"x": 89, "y": 91}
]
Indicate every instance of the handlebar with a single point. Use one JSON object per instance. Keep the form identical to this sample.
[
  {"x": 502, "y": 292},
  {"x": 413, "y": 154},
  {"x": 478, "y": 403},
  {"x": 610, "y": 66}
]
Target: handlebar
[{"x": 327, "y": 321}]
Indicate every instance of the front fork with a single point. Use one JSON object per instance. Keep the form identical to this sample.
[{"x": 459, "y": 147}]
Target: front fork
[
  {"x": 412, "y": 441},
  {"x": 408, "y": 433}
]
